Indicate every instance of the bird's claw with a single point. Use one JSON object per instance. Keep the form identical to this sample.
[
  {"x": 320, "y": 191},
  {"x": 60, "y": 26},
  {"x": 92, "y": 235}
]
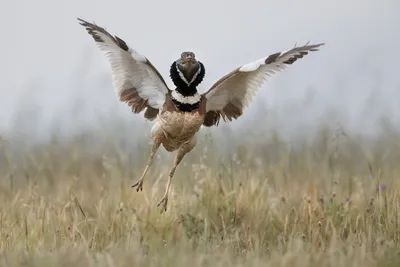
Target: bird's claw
[
  {"x": 163, "y": 202},
  {"x": 139, "y": 185}
]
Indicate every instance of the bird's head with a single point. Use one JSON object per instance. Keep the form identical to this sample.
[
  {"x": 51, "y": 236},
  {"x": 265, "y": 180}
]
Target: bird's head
[{"x": 189, "y": 70}]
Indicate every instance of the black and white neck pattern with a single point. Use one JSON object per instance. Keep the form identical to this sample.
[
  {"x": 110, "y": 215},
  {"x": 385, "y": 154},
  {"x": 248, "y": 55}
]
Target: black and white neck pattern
[
  {"x": 193, "y": 79},
  {"x": 183, "y": 85},
  {"x": 185, "y": 96},
  {"x": 186, "y": 103}
]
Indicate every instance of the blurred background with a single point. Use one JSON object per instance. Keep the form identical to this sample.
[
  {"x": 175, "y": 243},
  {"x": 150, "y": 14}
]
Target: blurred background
[{"x": 56, "y": 84}]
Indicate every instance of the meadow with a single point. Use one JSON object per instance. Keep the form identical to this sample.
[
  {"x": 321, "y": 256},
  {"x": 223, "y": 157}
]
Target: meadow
[{"x": 332, "y": 201}]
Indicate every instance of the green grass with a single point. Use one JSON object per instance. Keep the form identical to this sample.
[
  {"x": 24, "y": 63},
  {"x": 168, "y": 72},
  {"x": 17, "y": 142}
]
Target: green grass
[{"x": 326, "y": 203}]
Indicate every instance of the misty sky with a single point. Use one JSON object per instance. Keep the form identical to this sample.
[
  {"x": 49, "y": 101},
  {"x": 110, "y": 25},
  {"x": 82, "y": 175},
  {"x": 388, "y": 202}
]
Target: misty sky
[{"x": 54, "y": 77}]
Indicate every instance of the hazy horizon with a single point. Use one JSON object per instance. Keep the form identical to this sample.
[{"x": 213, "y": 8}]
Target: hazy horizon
[{"x": 55, "y": 78}]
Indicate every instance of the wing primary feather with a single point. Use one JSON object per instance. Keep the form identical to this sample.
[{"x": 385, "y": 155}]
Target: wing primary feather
[
  {"x": 228, "y": 97},
  {"x": 272, "y": 58},
  {"x": 91, "y": 28},
  {"x": 137, "y": 82}
]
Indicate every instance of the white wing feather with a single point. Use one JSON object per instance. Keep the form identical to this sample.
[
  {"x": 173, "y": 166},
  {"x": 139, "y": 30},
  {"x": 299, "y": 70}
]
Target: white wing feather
[
  {"x": 239, "y": 86},
  {"x": 129, "y": 68}
]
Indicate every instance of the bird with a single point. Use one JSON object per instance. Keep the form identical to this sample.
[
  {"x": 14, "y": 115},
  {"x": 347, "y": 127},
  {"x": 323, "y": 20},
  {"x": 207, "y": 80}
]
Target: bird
[{"x": 180, "y": 113}]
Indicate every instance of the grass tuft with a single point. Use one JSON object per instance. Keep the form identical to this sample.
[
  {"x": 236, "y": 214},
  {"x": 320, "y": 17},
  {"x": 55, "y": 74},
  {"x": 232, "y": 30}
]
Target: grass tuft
[{"x": 330, "y": 202}]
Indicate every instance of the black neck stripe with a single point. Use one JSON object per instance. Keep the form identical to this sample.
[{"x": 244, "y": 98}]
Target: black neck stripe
[{"x": 185, "y": 107}]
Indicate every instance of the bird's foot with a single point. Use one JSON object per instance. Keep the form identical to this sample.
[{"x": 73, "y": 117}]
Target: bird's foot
[
  {"x": 139, "y": 185},
  {"x": 163, "y": 203}
]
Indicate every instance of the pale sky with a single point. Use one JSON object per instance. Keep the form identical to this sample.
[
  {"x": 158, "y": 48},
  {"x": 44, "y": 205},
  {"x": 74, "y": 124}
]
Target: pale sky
[{"x": 51, "y": 67}]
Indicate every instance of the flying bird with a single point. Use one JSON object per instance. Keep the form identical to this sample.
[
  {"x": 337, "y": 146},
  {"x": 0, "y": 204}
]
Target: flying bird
[{"x": 180, "y": 113}]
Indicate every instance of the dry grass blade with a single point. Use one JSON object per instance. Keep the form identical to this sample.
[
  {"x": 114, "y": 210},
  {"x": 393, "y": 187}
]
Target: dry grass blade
[{"x": 76, "y": 201}]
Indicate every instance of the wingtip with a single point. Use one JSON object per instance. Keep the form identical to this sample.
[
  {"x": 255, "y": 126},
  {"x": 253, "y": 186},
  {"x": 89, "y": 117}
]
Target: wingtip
[
  {"x": 80, "y": 20},
  {"x": 315, "y": 47},
  {"x": 85, "y": 23},
  {"x": 318, "y": 46}
]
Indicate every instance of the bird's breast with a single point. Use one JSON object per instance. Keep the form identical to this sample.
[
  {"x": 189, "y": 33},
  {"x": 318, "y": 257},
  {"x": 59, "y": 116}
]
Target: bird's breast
[{"x": 181, "y": 125}]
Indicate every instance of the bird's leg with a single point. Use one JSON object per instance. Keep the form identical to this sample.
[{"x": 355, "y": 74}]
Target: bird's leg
[
  {"x": 139, "y": 183},
  {"x": 182, "y": 151}
]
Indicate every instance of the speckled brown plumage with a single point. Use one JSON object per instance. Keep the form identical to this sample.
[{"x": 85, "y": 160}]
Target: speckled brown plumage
[{"x": 178, "y": 127}]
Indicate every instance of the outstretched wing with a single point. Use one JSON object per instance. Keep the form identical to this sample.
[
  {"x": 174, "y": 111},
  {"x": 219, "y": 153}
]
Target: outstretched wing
[
  {"x": 136, "y": 80},
  {"x": 232, "y": 93}
]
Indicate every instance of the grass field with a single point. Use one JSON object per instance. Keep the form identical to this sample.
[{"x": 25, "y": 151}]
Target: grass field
[{"x": 332, "y": 202}]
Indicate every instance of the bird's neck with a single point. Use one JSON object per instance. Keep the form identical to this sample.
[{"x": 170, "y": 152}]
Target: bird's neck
[
  {"x": 187, "y": 90},
  {"x": 182, "y": 85},
  {"x": 186, "y": 100}
]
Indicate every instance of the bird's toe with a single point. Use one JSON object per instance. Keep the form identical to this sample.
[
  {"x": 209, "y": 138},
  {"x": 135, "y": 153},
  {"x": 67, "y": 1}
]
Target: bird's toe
[
  {"x": 138, "y": 185},
  {"x": 163, "y": 204}
]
